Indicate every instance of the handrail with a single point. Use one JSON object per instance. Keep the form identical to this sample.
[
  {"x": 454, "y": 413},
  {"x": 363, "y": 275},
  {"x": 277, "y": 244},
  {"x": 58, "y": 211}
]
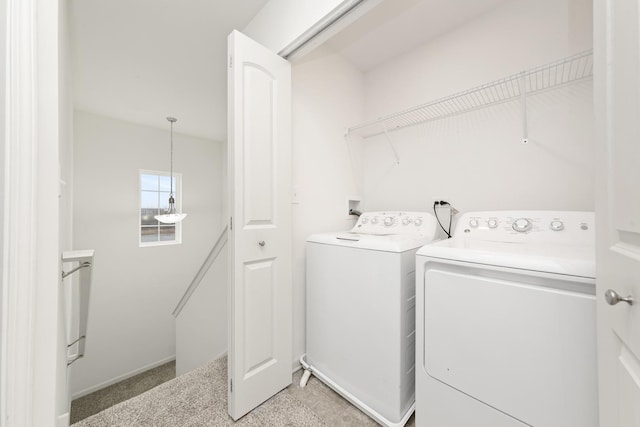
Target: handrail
[
  {"x": 85, "y": 262},
  {"x": 66, "y": 274},
  {"x": 222, "y": 240}
]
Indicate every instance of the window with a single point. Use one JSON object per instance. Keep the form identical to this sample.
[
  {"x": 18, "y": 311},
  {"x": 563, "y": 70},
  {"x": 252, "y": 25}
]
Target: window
[{"x": 155, "y": 188}]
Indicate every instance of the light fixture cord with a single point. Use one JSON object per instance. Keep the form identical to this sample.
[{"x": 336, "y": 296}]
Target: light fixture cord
[{"x": 171, "y": 162}]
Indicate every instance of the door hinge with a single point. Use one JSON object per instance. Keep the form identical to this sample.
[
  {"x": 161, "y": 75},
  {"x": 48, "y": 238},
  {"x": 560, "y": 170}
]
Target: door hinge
[
  {"x": 231, "y": 386},
  {"x": 231, "y": 223},
  {"x": 231, "y": 62}
]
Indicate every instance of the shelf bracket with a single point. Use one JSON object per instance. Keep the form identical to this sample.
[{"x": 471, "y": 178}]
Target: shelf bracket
[
  {"x": 393, "y": 148},
  {"x": 523, "y": 103}
]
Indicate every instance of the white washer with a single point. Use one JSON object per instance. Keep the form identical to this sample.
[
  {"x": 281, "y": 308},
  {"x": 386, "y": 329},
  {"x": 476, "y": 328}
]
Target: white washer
[
  {"x": 506, "y": 330},
  {"x": 361, "y": 311}
]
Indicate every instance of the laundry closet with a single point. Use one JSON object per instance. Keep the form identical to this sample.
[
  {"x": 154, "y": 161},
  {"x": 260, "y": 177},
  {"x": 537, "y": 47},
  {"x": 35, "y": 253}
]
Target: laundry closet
[{"x": 531, "y": 152}]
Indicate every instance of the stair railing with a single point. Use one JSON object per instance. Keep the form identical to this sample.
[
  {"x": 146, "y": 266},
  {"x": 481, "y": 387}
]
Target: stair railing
[{"x": 208, "y": 262}]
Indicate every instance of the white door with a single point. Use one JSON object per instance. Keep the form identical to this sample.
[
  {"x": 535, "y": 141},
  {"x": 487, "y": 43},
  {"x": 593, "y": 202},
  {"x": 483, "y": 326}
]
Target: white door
[
  {"x": 260, "y": 242},
  {"x": 617, "y": 96}
]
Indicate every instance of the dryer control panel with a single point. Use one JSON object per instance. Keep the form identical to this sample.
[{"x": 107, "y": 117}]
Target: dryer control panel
[
  {"x": 531, "y": 226},
  {"x": 386, "y": 223}
]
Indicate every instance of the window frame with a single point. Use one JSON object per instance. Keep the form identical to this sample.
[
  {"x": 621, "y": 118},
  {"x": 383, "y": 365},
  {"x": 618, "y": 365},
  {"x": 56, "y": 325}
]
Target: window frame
[{"x": 178, "y": 203}]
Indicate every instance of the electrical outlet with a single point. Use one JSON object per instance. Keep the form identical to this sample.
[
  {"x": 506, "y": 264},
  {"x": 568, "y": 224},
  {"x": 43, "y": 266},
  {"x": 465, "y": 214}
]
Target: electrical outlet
[{"x": 437, "y": 200}]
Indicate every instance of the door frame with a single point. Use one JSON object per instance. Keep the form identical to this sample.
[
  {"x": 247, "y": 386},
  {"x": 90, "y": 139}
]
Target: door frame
[{"x": 29, "y": 358}]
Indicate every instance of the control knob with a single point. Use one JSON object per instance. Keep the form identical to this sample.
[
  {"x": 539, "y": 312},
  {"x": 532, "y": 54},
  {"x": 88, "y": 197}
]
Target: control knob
[
  {"x": 522, "y": 225},
  {"x": 374, "y": 220},
  {"x": 418, "y": 222},
  {"x": 473, "y": 223},
  {"x": 493, "y": 223},
  {"x": 364, "y": 220},
  {"x": 388, "y": 221},
  {"x": 556, "y": 225},
  {"x": 406, "y": 220}
]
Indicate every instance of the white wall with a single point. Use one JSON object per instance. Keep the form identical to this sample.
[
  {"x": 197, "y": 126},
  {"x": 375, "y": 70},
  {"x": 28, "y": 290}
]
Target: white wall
[
  {"x": 201, "y": 326},
  {"x": 134, "y": 289},
  {"x": 327, "y": 97},
  {"x": 476, "y": 160}
]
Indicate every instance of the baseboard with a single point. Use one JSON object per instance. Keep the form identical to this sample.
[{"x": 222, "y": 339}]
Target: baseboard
[
  {"x": 296, "y": 365},
  {"x": 122, "y": 377},
  {"x": 63, "y": 420}
]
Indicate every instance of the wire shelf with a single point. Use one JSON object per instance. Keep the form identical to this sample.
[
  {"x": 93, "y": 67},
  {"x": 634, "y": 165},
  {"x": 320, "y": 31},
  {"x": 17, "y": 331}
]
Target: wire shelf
[{"x": 559, "y": 73}]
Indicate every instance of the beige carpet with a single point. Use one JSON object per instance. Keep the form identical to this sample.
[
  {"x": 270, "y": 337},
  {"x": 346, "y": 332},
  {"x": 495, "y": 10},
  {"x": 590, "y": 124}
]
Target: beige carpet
[
  {"x": 199, "y": 398},
  {"x": 85, "y": 406}
]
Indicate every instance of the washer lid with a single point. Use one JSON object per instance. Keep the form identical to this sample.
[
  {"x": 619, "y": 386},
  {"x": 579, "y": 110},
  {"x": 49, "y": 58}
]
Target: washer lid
[
  {"x": 566, "y": 259},
  {"x": 386, "y": 243}
]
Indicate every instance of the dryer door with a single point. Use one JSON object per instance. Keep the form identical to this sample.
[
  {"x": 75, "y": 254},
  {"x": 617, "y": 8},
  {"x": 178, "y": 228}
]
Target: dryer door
[{"x": 521, "y": 343}]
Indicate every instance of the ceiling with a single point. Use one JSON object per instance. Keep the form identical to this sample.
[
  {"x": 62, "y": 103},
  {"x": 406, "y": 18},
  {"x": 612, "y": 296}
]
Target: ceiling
[
  {"x": 399, "y": 26},
  {"x": 143, "y": 60}
]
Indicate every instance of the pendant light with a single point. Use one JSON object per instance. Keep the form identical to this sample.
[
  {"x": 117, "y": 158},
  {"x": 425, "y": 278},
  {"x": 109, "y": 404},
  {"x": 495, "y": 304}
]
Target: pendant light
[{"x": 171, "y": 216}]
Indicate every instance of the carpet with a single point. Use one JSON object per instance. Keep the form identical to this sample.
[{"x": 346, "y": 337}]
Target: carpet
[
  {"x": 90, "y": 404},
  {"x": 197, "y": 399}
]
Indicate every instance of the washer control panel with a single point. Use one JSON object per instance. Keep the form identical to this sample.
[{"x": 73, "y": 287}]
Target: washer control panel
[
  {"x": 384, "y": 223},
  {"x": 570, "y": 226}
]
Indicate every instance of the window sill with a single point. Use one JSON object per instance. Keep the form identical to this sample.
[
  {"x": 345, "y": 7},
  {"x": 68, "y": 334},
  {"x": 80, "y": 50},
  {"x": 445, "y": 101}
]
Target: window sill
[{"x": 165, "y": 243}]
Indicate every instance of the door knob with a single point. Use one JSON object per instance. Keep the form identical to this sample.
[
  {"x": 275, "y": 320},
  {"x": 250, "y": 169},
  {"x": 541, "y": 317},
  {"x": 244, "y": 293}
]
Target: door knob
[
  {"x": 261, "y": 243},
  {"x": 613, "y": 298}
]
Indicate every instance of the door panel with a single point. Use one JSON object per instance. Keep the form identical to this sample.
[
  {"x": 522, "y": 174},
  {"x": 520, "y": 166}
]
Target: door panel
[
  {"x": 260, "y": 314},
  {"x": 259, "y": 145},
  {"x": 259, "y": 327},
  {"x": 624, "y": 75},
  {"x": 617, "y": 103},
  {"x": 629, "y": 388}
]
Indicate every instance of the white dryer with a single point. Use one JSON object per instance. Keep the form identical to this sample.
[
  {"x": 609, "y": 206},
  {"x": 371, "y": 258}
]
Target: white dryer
[
  {"x": 361, "y": 311},
  {"x": 506, "y": 329}
]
